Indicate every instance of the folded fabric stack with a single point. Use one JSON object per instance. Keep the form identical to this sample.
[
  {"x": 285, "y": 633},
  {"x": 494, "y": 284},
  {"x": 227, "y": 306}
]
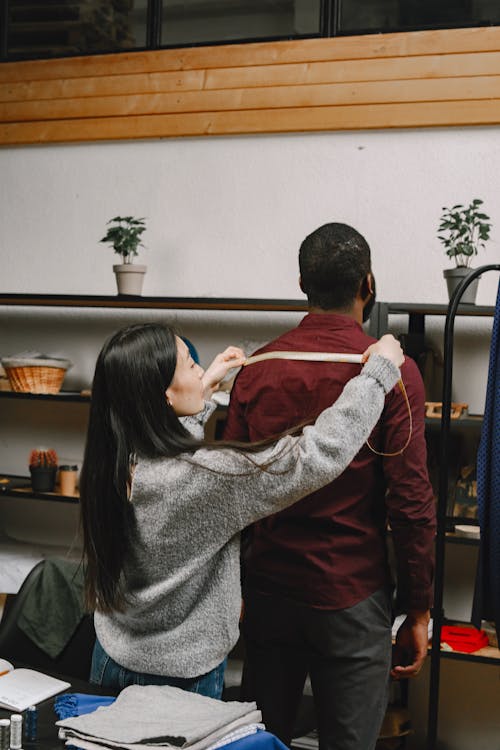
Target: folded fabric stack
[
  {"x": 152, "y": 717},
  {"x": 463, "y": 638}
]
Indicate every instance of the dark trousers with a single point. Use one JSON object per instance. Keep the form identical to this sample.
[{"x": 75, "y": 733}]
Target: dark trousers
[{"x": 347, "y": 654}]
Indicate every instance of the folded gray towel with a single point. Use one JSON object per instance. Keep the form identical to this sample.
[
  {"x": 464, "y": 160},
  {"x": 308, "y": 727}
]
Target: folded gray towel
[
  {"x": 223, "y": 736},
  {"x": 154, "y": 714}
]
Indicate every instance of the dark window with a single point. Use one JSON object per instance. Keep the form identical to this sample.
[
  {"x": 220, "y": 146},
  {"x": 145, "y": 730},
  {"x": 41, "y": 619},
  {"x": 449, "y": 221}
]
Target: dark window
[
  {"x": 55, "y": 28},
  {"x": 398, "y": 15},
  {"x": 198, "y": 21}
]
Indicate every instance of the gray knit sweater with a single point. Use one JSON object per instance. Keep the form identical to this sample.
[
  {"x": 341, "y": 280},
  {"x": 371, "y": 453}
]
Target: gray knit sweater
[{"x": 183, "y": 577}]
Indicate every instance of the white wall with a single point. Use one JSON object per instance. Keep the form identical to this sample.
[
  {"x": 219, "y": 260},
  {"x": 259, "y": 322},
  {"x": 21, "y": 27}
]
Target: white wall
[{"x": 225, "y": 217}]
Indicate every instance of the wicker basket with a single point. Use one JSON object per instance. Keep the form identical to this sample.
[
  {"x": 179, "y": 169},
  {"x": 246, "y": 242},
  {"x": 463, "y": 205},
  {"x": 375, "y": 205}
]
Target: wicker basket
[{"x": 36, "y": 375}]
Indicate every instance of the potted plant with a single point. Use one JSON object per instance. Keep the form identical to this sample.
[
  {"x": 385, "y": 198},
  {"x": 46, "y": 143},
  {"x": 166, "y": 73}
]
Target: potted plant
[
  {"x": 463, "y": 231},
  {"x": 43, "y": 469},
  {"x": 124, "y": 235}
]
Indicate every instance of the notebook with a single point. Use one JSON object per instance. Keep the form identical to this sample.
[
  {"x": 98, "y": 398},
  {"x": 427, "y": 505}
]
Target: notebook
[{"x": 21, "y": 688}]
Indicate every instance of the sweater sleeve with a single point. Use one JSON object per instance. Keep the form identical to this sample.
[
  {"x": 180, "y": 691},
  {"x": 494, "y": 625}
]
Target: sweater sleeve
[
  {"x": 245, "y": 487},
  {"x": 195, "y": 424}
]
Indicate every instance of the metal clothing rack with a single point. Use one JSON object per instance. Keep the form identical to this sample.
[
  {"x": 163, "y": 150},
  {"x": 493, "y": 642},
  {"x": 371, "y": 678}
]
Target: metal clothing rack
[{"x": 438, "y": 614}]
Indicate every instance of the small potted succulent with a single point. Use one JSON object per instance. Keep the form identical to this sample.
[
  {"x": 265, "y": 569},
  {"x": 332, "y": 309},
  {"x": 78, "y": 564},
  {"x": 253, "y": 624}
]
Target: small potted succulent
[
  {"x": 463, "y": 231},
  {"x": 43, "y": 469},
  {"x": 124, "y": 235}
]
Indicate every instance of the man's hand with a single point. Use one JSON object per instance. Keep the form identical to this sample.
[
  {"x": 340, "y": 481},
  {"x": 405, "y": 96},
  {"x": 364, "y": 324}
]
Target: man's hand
[
  {"x": 412, "y": 642},
  {"x": 231, "y": 357}
]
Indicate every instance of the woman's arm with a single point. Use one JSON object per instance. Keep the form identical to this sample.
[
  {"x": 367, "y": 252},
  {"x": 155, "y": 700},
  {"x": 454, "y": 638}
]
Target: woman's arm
[
  {"x": 244, "y": 488},
  {"x": 223, "y": 363}
]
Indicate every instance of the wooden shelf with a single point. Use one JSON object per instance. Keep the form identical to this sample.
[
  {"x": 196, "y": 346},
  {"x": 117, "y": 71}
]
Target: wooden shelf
[
  {"x": 18, "y": 486},
  {"x": 486, "y": 655},
  {"x": 409, "y": 308},
  {"x": 66, "y": 396},
  {"x": 470, "y": 421},
  {"x": 161, "y": 303},
  {"x": 218, "y": 303},
  {"x": 452, "y": 538}
]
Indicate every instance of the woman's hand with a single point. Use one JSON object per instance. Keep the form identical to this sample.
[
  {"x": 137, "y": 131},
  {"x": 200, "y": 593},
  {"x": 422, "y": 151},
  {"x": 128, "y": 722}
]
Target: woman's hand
[
  {"x": 387, "y": 347},
  {"x": 230, "y": 358}
]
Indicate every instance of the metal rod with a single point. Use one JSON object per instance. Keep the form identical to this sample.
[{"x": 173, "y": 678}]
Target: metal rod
[
  {"x": 442, "y": 504},
  {"x": 4, "y": 16},
  {"x": 335, "y": 13},
  {"x": 154, "y": 18}
]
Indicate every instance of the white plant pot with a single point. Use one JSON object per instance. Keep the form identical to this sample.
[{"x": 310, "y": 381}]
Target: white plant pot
[
  {"x": 129, "y": 278},
  {"x": 453, "y": 278}
]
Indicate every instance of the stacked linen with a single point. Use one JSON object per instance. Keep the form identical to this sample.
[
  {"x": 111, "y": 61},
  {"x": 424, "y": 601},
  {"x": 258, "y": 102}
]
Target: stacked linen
[{"x": 152, "y": 717}]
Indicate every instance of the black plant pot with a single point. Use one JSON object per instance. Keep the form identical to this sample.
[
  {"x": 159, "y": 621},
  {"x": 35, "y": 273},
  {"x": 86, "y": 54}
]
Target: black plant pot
[{"x": 43, "y": 479}]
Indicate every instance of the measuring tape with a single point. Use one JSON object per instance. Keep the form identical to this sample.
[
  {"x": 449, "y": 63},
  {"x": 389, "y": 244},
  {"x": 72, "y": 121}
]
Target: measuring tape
[
  {"x": 356, "y": 359},
  {"x": 336, "y": 357}
]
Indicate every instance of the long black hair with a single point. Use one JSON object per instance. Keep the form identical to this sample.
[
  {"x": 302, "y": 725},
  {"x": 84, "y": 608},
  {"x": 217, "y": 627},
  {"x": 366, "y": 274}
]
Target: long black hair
[{"x": 129, "y": 417}]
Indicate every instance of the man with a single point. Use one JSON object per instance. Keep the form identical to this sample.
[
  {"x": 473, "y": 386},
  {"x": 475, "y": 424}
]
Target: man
[{"x": 317, "y": 585}]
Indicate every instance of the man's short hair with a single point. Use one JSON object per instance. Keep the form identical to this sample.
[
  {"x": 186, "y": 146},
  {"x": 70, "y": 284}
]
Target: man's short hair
[{"x": 333, "y": 260}]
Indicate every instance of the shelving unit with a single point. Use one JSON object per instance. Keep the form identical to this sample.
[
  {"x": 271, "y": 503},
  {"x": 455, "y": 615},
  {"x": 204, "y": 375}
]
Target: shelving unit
[
  {"x": 452, "y": 538},
  {"x": 471, "y": 420},
  {"x": 417, "y": 314},
  {"x": 454, "y": 309},
  {"x": 228, "y": 304},
  {"x": 120, "y": 302},
  {"x": 21, "y": 487},
  {"x": 55, "y": 410},
  {"x": 414, "y": 345},
  {"x": 486, "y": 655},
  {"x": 73, "y": 396},
  {"x": 155, "y": 303}
]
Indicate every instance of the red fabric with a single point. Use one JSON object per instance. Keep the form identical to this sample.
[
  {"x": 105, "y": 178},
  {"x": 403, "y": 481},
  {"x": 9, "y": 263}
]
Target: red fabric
[
  {"x": 464, "y": 639},
  {"x": 328, "y": 550}
]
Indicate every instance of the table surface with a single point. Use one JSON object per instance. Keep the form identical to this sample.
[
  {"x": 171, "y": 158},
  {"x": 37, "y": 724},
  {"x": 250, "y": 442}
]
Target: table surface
[{"x": 47, "y": 733}]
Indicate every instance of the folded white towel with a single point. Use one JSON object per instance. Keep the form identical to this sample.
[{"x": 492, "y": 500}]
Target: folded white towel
[{"x": 161, "y": 715}]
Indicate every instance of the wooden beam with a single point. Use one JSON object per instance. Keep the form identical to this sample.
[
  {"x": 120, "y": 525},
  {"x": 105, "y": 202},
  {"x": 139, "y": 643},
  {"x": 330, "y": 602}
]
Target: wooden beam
[
  {"x": 420, "y": 79},
  {"x": 300, "y": 119},
  {"x": 306, "y": 74},
  {"x": 112, "y": 85},
  {"x": 279, "y": 97}
]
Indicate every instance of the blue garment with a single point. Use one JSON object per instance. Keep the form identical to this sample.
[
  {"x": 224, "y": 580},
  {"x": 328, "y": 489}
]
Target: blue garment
[
  {"x": 77, "y": 704},
  {"x": 107, "y": 673},
  {"x": 487, "y": 594},
  {"x": 259, "y": 741},
  {"x": 192, "y": 349}
]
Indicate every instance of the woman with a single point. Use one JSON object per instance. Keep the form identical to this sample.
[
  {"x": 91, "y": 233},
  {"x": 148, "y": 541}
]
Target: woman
[{"x": 162, "y": 511}]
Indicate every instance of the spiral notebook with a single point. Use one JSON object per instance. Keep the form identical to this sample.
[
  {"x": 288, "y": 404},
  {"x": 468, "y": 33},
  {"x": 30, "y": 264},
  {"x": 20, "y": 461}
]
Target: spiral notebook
[{"x": 21, "y": 688}]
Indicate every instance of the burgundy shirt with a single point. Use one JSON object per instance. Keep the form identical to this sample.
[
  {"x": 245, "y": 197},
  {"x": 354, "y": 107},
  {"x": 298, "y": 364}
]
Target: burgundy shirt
[{"x": 329, "y": 549}]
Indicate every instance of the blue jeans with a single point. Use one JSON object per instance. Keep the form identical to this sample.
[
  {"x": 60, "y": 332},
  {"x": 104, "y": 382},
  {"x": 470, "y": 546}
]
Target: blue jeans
[{"x": 108, "y": 674}]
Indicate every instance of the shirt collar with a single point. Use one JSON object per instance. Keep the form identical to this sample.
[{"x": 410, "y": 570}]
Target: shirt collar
[{"x": 332, "y": 321}]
